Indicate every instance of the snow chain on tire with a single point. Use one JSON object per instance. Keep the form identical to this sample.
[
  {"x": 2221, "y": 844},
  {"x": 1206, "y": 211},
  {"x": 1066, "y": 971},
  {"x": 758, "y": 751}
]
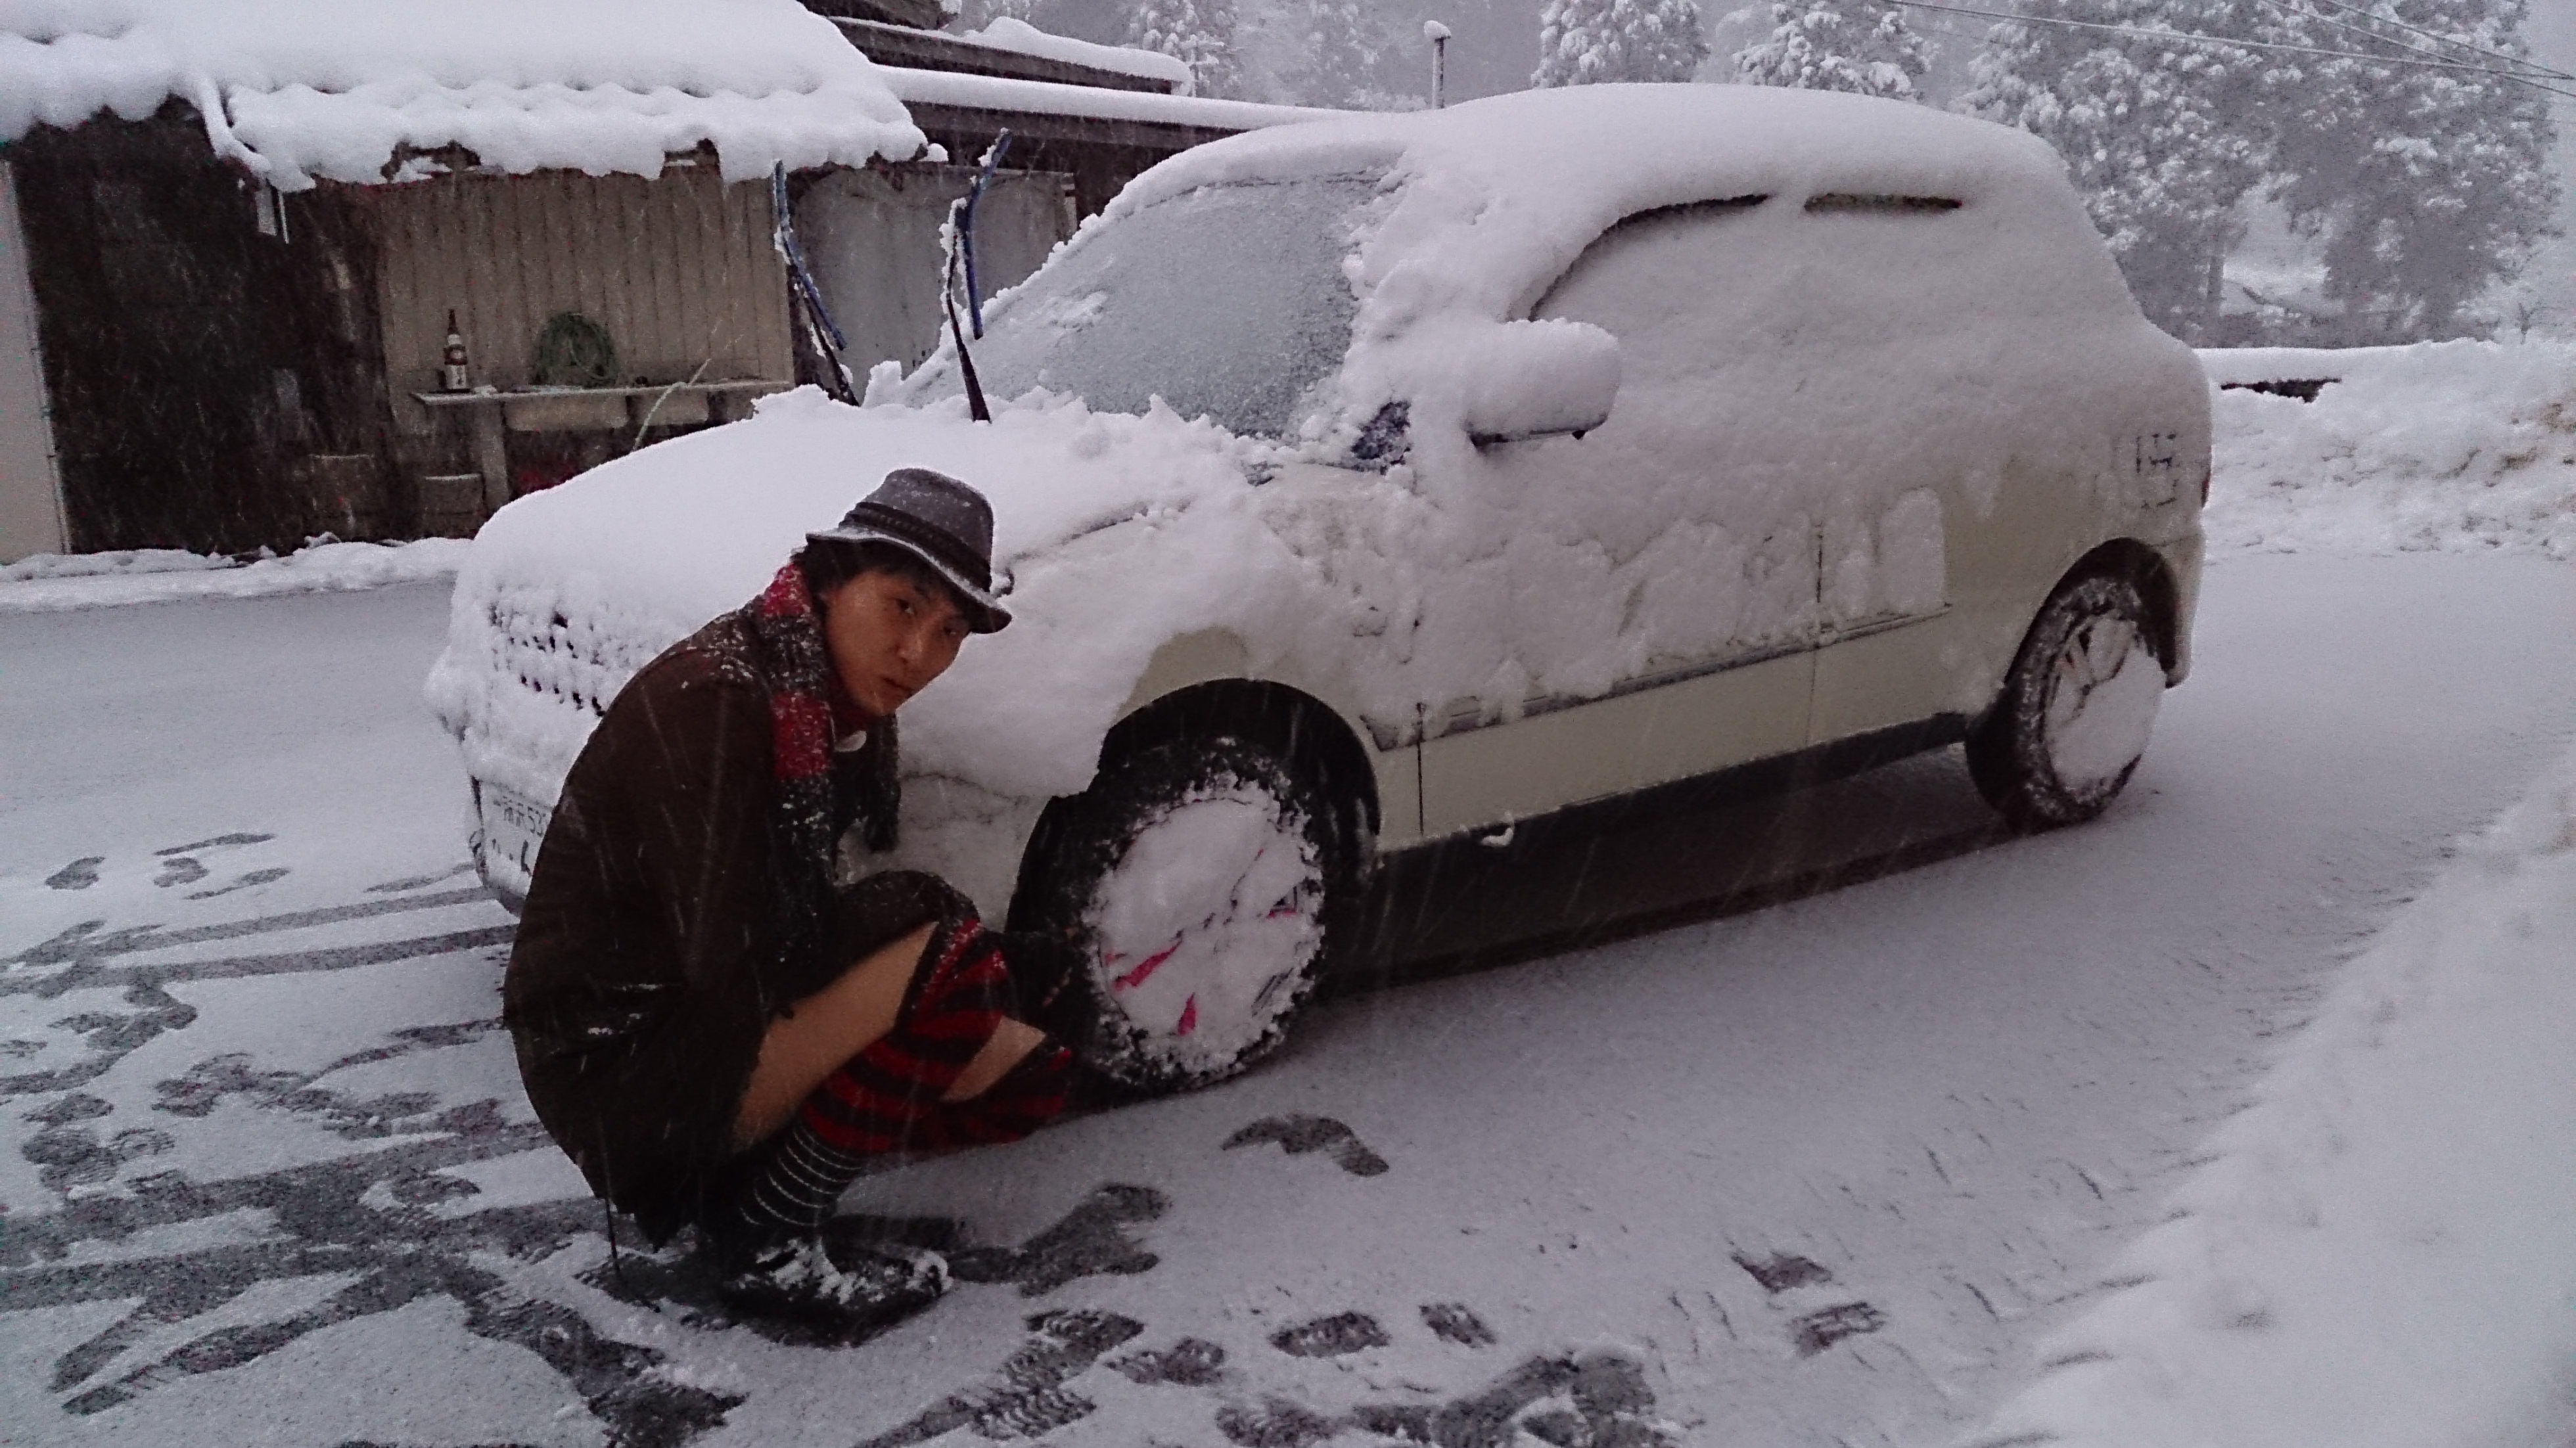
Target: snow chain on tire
[{"x": 1079, "y": 845}]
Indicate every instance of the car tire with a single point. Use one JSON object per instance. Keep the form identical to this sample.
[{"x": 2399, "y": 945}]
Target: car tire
[
  {"x": 1200, "y": 882},
  {"x": 2072, "y": 721}
]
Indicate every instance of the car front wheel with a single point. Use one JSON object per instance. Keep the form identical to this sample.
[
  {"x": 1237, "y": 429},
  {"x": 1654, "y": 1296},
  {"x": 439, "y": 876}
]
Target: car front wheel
[
  {"x": 1196, "y": 878},
  {"x": 2076, "y": 710}
]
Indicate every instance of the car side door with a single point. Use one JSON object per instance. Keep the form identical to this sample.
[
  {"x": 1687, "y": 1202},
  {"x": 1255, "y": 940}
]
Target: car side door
[{"x": 1661, "y": 570}]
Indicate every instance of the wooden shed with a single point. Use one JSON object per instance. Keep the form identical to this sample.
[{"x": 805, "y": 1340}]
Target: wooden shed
[{"x": 239, "y": 343}]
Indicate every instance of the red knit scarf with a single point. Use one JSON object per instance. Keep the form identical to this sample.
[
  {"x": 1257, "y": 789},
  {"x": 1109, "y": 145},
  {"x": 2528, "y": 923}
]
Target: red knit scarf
[{"x": 798, "y": 677}]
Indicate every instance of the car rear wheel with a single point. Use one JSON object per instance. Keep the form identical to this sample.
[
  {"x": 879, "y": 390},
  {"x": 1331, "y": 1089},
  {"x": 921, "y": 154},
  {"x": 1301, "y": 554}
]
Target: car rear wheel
[
  {"x": 1197, "y": 879},
  {"x": 2076, "y": 710}
]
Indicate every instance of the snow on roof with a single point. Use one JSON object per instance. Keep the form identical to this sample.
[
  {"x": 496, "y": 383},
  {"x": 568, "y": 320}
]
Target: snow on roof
[
  {"x": 1013, "y": 34},
  {"x": 1040, "y": 97},
  {"x": 305, "y": 90}
]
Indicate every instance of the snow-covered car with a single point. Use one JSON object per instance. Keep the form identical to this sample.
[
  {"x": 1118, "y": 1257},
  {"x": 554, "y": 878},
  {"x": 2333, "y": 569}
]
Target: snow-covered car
[{"x": 1380, "y": 481}]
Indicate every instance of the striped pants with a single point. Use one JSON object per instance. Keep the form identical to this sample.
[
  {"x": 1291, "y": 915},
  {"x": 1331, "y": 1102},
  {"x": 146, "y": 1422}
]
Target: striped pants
[{"x": 886, "y": 1099}]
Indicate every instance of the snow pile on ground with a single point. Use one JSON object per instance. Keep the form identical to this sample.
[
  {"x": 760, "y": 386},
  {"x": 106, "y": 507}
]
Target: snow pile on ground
[
  {"x": 1009, "y": 32},
  {"x": 2379, "y": 1251},
  {"x": 2458, "y": 446},
  {"x": 300, "y": 90},
  {"x": 49, "y": 582},
  {"x": 123, "y": 561}
]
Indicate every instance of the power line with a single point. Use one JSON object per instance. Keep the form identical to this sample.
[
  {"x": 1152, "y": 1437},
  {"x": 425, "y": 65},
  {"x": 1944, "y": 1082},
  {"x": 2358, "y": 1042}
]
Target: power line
[
  {"x": 2367, "y": 33},
  {"x": 2191, "y": 38},
  {"x": 2444, "y": 39}
]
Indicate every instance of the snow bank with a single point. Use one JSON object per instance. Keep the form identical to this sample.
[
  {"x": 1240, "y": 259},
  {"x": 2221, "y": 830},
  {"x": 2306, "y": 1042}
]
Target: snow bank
[
  {"x": 307, "y": 90},
  {"x": 1009, "y": 32},
  {"x": 49, "y": 582},
  {"x": 2379, "y": 1252},
  {"x": 2453, "y": 446}
]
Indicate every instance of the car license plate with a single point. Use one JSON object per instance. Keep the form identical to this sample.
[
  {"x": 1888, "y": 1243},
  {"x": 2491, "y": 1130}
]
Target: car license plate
[{"x": 513, "y": 827}]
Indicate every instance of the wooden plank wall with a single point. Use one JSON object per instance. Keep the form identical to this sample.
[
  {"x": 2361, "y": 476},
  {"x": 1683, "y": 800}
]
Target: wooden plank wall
[{"x": 679, "y": 270}]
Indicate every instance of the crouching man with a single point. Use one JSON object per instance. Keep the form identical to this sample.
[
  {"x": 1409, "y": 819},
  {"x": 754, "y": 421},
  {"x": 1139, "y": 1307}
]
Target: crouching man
[{"x": 719, "y": 1034}]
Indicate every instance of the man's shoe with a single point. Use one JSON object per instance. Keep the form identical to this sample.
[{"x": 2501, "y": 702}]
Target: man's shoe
[
  {"x": 1050, "y": 984},
  {"x": 846, "y": 1289}
]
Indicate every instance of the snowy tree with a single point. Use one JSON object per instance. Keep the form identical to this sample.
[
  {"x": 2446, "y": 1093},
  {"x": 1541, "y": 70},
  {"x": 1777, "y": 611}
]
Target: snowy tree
[
  {"x": 1341, "y": 53},
  {"x": 1198, "y": 33},
  {"x": 2164, "y": 138},
  {"x": 1586, "y": 42},
  {"x": 2427, "y": 185},
  {"x": 1863, "y": 46}
]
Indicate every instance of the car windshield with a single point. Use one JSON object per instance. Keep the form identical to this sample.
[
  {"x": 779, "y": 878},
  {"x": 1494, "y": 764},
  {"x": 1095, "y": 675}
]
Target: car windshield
[{"x": 1227, "y": 302}]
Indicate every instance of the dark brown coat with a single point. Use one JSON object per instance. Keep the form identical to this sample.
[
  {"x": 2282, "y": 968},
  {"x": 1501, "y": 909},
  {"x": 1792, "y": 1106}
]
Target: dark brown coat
[{"x": 649, "y": 960}]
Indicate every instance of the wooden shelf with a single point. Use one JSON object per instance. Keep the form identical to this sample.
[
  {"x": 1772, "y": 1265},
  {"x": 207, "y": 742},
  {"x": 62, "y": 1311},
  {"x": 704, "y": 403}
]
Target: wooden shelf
[{"x": 492, "y": 416}]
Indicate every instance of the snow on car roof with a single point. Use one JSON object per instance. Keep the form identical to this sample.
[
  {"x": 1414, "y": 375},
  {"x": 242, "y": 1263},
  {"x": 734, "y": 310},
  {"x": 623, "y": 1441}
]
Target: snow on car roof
[
  {"x": 305, "y": 90},
  {"x": 1505, "y": 192},
  {"x": 1491, "y": 201}
]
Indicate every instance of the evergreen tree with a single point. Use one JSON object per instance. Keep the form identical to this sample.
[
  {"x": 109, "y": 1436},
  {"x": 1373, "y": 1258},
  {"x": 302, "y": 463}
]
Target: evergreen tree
[
  {"x": 2428, "y": 186},
  {"x": 2164, "y": 139},
  {"x": 1340, "y": 53},
  {"x": 1587, "y": 42},
  {"x": 1863, "y": 46},
  {"x": 1198, "y": 33}
]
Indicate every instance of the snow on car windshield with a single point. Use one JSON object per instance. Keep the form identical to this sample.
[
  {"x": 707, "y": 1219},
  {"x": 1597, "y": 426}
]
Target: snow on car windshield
[{"x": 1227, "y": 302}]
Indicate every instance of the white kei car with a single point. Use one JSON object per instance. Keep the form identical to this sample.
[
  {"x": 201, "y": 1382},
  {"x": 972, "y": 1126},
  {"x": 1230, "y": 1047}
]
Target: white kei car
[{"x": 1380, "y": 481}]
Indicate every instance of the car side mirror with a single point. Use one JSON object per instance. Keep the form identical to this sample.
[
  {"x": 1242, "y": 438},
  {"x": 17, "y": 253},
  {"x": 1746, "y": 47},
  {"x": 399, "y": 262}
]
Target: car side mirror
[{"x": 1535, "y": 379}]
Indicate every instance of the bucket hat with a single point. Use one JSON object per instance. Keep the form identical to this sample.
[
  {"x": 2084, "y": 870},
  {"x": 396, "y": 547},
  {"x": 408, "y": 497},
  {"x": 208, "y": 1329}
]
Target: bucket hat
[{"x": 939, "y": 520}]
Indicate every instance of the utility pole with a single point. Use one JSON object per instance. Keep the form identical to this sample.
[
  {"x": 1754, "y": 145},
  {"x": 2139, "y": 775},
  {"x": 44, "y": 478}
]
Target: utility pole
[{"x": 1438, "y": 35}]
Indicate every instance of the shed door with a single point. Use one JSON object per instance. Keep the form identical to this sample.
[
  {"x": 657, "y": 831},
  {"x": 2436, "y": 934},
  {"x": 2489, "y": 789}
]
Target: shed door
[{"x": 31, "y": 495}]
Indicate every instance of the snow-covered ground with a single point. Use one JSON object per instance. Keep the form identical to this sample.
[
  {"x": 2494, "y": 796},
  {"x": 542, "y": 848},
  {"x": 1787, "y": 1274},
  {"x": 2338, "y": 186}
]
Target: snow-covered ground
[
  {"x": 2381, "y": 1248},
  {"x": 51, "y": 581},
  {"x": 1850, "y": 1169}
]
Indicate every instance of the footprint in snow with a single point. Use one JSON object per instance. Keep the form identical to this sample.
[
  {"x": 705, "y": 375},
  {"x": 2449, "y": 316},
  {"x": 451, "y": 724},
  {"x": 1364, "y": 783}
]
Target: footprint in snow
[
  {"x": 1298, "y": 1135},
  {"x": 1456, "y": 1322},
  {"x": 1343, "y": 1332},
  {"x": 80, "y": 874},
  {"x": 1783, "y": 1270},
  {"x": 1811, "y": 1332}
]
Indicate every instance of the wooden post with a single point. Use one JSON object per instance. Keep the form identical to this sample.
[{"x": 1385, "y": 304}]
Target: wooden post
[{"x": 492, "y": 456}]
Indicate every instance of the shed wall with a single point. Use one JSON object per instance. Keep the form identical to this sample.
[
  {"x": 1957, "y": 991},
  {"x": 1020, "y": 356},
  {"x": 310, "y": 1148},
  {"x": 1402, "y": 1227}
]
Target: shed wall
[
  {"x": 679, "y": 270},
  {"x": 31, "y": 493},
  {"x": 872, "y": 238}
]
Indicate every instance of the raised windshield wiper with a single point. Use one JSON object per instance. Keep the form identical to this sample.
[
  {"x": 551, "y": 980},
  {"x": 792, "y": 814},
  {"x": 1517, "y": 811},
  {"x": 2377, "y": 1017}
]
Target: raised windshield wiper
[{"x": 961, "y": 231}]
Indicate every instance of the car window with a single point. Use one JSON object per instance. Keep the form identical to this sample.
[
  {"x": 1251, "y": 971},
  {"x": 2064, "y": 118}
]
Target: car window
[
  {"x": 1782, "y": 373},
  {"x": 1692, "y": 462},
  {"x": 1228, "y": 301}
]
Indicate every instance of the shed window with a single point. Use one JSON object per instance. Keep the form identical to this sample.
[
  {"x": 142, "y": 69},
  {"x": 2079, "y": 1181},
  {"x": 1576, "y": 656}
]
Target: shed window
[{"x": 1853, "y": 201}]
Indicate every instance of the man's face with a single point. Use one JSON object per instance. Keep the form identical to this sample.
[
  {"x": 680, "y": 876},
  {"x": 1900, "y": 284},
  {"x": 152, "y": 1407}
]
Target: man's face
[{"x": 888, "y": 637}]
